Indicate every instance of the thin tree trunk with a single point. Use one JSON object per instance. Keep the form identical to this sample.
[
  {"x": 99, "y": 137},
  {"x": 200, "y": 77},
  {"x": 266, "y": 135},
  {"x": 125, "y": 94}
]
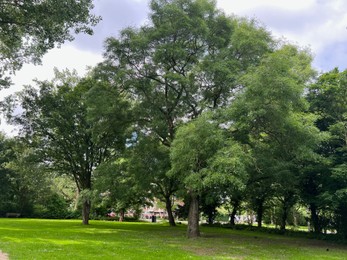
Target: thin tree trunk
[
  {"x": 121, "y": 217},
  {"x": 193, "y": 217},
  {"x": 287, "y": 203},
  {"x": 284, "y": 218},
  {"x": 235, "y": 205},
  {"x": 86, "y": 212},
  {"x": 315, "y": 218},
  {"x": 210, "y": 218},
  {"x": 168, "y": 205}
]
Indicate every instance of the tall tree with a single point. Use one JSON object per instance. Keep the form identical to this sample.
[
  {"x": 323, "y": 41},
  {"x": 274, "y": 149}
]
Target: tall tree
[
  {"x": 195, "y": 143},
  {"x": 30, "y": 28},
  {"x": 270, "y": 117},
  {"x": 59, "y": 121},
  {"x": 328, "y": 99},
  {"x": 186, "y": 60}
]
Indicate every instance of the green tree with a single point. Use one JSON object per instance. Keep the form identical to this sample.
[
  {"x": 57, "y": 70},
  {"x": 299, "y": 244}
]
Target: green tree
[
  {"x": 328, "y": 99},
  {"x": 149, "y": 163},
  {"x": 118, "y": 189},
  {"x": 59, "y": 119},
  {"x": 27, "y": 185},
  {"x": 228, "y": 174},
  {"x": 6, "y": 155},
  {"x": 30, "y": 28},
  {"x": 186, "y": 60},
  {"x": 195, "y": 143},
  {"x": 270, "y": 117}
]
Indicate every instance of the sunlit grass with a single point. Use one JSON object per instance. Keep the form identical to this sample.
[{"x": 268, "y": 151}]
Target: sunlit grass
[{"x": 69, "y": 239}]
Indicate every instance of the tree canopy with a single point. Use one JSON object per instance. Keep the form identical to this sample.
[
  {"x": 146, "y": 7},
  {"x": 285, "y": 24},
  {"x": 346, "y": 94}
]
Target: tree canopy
[{"x": 28, "y": 29}]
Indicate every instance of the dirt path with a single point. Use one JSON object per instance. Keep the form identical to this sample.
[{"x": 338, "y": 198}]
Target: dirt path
[{"x": 3, "y": 256}]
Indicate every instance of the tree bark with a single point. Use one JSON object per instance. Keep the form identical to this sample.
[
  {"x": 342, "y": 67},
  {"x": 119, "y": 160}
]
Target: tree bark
[
  {"x": 86, "y": 212},
  {"x": 122, "y": 214},
  {"x": 193, "y": 217},
  {"x": 210, "y": 218},
  {"x": 315, "y": 218},
  {"x": 168, "y": 205},
  {"x": 284, "y": 217},
  {"x": 260, "y": 211},
  {"x": 235, "y": 205}
]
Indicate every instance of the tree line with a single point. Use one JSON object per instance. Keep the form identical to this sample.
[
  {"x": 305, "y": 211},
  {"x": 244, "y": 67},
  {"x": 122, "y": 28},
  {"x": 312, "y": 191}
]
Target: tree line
[{"x": 196, "y": 105}]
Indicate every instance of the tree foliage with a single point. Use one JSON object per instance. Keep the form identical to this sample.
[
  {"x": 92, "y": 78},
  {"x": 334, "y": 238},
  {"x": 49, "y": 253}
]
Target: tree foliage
[
  {"x": 60, "y": 122},
  {"x": 30, "y": 28}
]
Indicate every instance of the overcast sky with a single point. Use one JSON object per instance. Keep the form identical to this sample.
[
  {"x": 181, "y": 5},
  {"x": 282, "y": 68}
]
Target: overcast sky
[{"x": 317, "y": 24}]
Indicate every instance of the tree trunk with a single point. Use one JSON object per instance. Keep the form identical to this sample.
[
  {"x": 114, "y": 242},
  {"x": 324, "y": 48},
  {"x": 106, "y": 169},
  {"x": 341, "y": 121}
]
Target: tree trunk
[
  {"x": 121, "y": 217},
  {"x": 284, "y": 217},
  {"x": 210, "y": 218},
  {"x": 86, "y": 212},
  {"x": 235, "y": 205},
  {"x": 315, "y": 218},
  {"x": 193, "y": 217},
  {"x": 168, "y": 205},
  {"x": 260, "y": 211},
  {"x": 287, "y": 203}
]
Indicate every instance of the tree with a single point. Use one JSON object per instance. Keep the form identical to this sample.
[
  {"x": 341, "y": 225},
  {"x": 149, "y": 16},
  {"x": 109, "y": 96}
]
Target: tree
[
  {"x": 117, "y": 188},
  {"x": 30, "y": 28},
  {"x": 61, "y": 122},
  {"x": 228, "y": 174},
  {"x": 25, "y": 184},
  {"x": 195, "y": 143},
  {"x": 270, "y": 116},
  {"x": 150, "y": 163},
  {"x": 6, "y": 155},
  {"x": 186, "y": 60},
  {"x": 328, "y": 99}
]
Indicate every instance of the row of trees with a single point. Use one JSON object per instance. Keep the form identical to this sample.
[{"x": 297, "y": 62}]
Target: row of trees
[{"x": 196, "y": 105}]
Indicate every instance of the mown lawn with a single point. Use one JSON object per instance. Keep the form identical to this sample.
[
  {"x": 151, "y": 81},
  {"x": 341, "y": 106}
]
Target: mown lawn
[{"x": 69, "y": 239}]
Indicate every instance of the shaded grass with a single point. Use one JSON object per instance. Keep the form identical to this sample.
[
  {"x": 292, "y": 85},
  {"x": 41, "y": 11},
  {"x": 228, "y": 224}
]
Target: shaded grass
[{"x": 69, "y": 239}]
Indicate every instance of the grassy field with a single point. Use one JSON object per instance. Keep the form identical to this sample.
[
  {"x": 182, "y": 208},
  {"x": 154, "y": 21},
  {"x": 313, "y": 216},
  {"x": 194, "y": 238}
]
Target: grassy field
[{"x": 68, "y": 239}]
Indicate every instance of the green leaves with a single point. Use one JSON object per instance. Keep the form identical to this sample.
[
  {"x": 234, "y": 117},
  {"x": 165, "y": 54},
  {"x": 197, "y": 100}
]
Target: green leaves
[{"x": 30, "y": 28}]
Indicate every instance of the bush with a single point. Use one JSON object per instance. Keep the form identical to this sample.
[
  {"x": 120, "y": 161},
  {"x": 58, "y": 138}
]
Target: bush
[{"x": 54, "y": 207}]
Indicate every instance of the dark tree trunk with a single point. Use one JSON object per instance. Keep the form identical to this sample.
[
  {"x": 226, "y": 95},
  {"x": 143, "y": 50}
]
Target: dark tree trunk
[
  {"x": 84, "y": 186},
  {"x": 86, "y": 212},
  {"x": 260, "y": 211},
  {"x": 210, "y": 218},
  {"x": 235, "y": 205},
  {"x": 168, "y": 204},
  {"x": 284, "y": 217},
  {"x": 315, "y": 218},
  {"x": 193, "y": 217}
]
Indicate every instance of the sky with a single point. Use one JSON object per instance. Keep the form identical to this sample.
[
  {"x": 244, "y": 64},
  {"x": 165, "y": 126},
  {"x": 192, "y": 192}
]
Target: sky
[{"x": 320, "y": 25}]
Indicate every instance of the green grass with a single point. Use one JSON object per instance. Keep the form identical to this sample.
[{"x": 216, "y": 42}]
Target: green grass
[{"x": 69, "y": 239}]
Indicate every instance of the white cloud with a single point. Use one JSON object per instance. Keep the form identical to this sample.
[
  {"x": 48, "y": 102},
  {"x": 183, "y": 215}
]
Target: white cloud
[
  {"x": 66, "y": 57},
  {"x": 318, "y": 24},
  {"x": 245, "y": 7}
]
